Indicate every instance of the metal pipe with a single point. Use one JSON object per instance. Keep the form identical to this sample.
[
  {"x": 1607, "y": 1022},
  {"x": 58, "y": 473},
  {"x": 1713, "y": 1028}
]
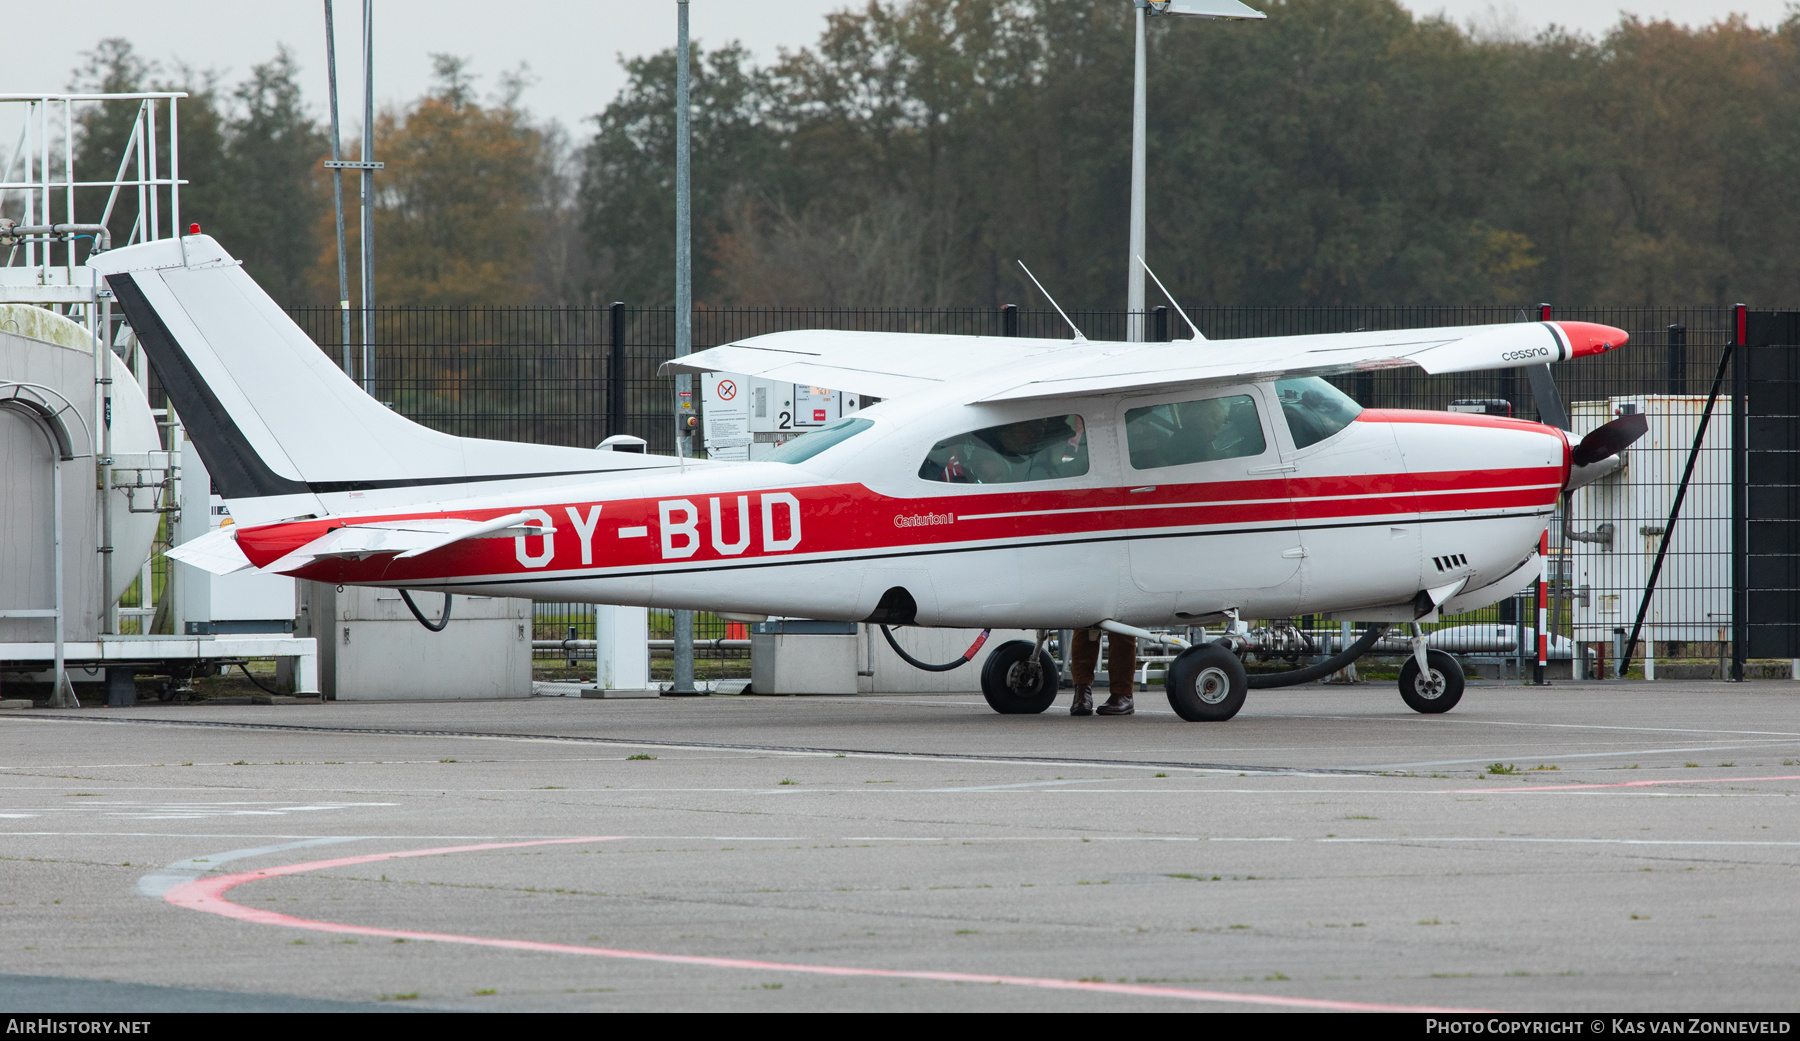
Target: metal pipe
[
  {"x": 103, "y": 360},
  {"x": 69, "y": 190},
  {"x": 337, "y": 191},
  {"x": 684, "y": 307},
  {"x": 368, "y": 198},
  {"x": 720, "y": 644},
  {"x": 47, "y": 232},
  {"x": 1134, "y": 287},
  {"x": 615, "y": 372},
  {"x": 153, "y": 227}
]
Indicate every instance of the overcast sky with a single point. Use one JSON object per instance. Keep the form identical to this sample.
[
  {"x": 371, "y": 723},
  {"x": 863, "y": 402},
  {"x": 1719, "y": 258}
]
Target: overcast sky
[{"x": 572, "y": 46}]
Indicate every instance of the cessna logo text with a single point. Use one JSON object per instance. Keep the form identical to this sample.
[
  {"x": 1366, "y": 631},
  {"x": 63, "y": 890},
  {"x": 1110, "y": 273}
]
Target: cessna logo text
[{"x": 1535, "y": 352}]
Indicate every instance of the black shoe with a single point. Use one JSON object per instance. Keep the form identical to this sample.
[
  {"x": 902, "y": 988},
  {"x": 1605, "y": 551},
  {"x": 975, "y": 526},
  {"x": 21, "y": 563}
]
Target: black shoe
[
  {"x": 1083, "y": 705},
  {"x": 1117, "y": 705}
]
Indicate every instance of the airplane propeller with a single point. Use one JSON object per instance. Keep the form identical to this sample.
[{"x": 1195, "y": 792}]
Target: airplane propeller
[{"x": 1611, "y": 439}]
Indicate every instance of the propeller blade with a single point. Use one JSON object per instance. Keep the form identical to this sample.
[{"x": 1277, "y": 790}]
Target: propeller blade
[{"x": 1611, "y": 439}]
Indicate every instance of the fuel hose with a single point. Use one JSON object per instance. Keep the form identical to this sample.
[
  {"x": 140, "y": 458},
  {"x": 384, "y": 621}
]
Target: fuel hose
[
  {"x": 1308, "y": 673},
  {"x": 968, "y": 655}
]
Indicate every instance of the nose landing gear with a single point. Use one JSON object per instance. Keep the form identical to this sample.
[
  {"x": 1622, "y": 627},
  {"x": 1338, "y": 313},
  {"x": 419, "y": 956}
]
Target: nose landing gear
[{"x": 1432, "y": 690}]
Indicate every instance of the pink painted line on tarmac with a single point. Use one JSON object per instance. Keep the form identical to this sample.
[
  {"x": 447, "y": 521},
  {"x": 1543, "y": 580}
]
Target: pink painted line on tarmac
[
  {"x": 208, "y": 894},
  {"x": 1621, "y": 784}
]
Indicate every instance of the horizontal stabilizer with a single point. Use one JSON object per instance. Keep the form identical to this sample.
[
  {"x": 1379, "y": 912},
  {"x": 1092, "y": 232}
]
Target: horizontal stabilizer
[
  {"x": 216, "y": 551},
  {"x": 405, "y": 539}
]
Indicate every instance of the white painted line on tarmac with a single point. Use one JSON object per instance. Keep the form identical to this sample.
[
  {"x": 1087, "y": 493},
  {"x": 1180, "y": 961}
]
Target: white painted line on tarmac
[
  {"x": 1490, "y": 757},
  {"x": 208, "y": 895},
  {"x": 157, "y": 883}
]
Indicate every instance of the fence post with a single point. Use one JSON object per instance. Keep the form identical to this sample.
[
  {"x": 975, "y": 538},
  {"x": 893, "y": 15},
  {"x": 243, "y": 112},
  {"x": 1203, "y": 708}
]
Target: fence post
[
  {"x": 1009, "y": 320},
  {"x": 1740, "y": 496},
  {"x": 1160, "y": 324},
  {"x": 615, "y": 373},
  {"x": 1677, "y": 359}
]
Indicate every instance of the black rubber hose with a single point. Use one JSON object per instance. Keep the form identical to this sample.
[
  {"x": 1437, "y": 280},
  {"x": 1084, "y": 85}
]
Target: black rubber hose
[
  {"x": 1308, "y": 673},
  {"x": 420, "y": 615},
  {"x": 242, "y": 668},
  {"x": 968, "y": 655}
]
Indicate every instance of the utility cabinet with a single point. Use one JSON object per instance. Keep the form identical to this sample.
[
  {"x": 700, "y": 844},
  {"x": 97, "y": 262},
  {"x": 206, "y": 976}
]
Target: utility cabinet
[
  {"x": 800, "y": 656},
  {"x": 1692, "y": 601},
  {"x": 744, "y": 417},
  {"x": 371, "y": 648}
]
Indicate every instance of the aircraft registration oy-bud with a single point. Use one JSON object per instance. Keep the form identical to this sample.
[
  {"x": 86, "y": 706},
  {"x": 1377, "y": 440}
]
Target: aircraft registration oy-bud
[{"x": 1040, "y": 484}]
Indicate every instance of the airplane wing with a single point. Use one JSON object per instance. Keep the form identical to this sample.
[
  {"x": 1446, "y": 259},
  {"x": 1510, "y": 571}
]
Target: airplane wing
[
  {"x": 885, "y": 365},
  {"x": 1014, "y": 369}
]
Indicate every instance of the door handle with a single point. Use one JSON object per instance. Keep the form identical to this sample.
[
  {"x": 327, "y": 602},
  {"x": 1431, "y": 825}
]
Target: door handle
[{"x": 1278, "y": 469}]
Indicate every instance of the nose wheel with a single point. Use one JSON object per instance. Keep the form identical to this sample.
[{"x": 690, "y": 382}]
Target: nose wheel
[{"x": 1436, "y": 689}]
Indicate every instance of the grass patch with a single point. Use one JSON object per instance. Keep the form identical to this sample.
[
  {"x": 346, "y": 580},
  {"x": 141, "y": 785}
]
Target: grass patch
[
  {"x": 788, "y": 780},
  {"x": 484, "y": 992},
  {"x": 1502, "y": 768},
  {"x": 1162, "y": 775},
  {"x": 639, "y": 756},
  {"x": 1546, "y": 766},
  {"x": 1691, "y": 766},
  {"x": 408, "y": 996}
]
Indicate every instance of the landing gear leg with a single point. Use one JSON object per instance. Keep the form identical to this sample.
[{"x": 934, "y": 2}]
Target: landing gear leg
[{"x": 1430, "y": 681}]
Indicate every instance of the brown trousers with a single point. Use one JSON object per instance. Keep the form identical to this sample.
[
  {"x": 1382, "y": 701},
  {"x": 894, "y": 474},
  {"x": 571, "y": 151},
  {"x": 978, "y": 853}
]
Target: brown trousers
[{"x": 1121, "y": 659}]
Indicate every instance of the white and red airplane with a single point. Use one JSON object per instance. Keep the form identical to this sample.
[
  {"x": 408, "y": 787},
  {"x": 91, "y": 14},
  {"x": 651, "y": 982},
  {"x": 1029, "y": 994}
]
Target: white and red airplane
[{"x": 1030, "y": 483}]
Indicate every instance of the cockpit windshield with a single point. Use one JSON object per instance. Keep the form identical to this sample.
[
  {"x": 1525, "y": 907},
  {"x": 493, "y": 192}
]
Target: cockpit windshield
[
  {"x": 1314, "y": 409},
  {"x": 807, "y": 445},
  {"x": 1032, "y": 450}
]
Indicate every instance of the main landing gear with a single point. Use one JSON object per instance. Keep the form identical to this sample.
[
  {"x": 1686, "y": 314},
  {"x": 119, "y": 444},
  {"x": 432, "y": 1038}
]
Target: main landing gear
[
  {"x": 1208, "y": 683},
  {"x": 1019, "y": 678}
]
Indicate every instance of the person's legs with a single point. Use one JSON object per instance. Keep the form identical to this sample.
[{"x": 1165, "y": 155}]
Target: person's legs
[
  {"x": 1084, "y": 654},
  {"x": 1121, "y": 674}
]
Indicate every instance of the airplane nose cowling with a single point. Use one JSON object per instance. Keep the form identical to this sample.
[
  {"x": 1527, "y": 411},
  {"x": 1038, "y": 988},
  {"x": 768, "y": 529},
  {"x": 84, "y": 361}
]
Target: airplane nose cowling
[{"x": 1587, "y": 338}]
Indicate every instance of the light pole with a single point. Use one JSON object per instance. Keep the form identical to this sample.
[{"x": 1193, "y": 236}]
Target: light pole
[
  {"x": 1134, "y": 297},
  {"x": 684, "y": 316}
]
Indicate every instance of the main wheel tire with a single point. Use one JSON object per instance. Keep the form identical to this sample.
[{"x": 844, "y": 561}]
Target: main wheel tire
[
  {"x": 1008, "y": 682},
  {"x": 1438, "y": 692},
  {"x": 1206, "y": 684}
]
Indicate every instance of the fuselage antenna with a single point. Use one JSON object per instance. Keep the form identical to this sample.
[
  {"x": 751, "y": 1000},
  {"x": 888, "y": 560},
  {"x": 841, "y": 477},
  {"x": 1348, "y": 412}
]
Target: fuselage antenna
[
  {"x": 1079, "y": 338},
  {"x": 1172, "y": 303}
]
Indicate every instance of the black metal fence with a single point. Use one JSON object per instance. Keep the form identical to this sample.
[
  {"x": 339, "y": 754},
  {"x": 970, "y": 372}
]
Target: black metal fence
[{"x": 573, "y": 376}]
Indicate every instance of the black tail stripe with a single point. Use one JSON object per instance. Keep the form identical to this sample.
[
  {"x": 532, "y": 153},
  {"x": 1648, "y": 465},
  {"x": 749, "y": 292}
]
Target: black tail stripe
[{"x": 234, "y": 466}]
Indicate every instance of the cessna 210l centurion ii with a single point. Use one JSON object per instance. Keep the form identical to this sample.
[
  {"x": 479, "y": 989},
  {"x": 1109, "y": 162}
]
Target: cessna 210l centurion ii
[{"x": 1032, "y": 483}]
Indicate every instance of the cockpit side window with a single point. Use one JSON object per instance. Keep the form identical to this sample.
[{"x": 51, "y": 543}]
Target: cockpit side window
[
  {"x": 1314, "y": 409},
  {"x": 1032, "y": 450},
  {"x": 1199, "y": 431}
]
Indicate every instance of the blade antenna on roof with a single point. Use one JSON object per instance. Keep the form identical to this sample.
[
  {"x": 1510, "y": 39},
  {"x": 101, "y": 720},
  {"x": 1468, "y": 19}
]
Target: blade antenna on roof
[
  {"x": 1172, "y": 303},
  {"x": 1079, "y": 338}
]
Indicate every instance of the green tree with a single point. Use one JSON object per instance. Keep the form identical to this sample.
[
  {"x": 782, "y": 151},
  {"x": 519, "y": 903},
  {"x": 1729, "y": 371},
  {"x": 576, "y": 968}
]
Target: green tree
[{"x": 627, "y": 183}]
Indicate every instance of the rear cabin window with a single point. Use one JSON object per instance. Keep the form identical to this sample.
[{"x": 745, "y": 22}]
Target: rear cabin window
[
  {"x": 1200, "y": 431},
  {"x": 1033, "y": 450},
  {"x": 1314, "y": 409}
]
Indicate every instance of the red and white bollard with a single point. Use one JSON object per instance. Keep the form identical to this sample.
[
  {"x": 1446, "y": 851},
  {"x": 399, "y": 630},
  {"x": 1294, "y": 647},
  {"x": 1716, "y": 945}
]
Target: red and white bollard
[{"x": 1543, "y": 605}]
